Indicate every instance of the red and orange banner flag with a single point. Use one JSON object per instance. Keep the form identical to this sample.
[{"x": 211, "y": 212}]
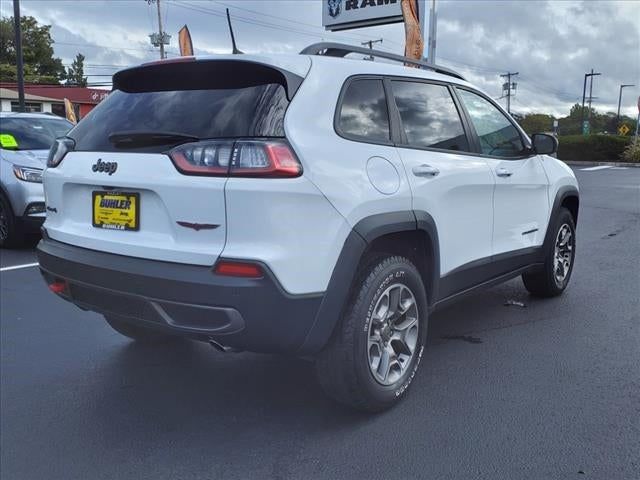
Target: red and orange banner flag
[
  {"x": 184, "y": 39},
  {"x": 69, "y": 111}
]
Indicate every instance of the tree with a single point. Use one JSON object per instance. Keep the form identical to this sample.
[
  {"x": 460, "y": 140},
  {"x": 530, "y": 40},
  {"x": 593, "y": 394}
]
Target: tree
[
  {"x": 75, "y": 73},
  {"x": 40, "y": 66},
  {"x": 536, "y": 123}
]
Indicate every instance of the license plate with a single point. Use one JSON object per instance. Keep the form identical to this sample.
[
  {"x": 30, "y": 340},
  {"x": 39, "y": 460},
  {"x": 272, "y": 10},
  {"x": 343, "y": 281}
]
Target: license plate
[{"x": 116, "y": 210}]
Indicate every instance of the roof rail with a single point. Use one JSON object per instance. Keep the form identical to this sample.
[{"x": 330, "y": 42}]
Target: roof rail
[{"x": 342, "y": 50}]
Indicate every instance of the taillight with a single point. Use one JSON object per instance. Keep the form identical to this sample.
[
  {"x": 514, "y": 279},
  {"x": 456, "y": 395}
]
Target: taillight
[
  {"x": 231, "y": 268},
  {"x": 58, "y": 150},
  {"x": 237, "y": 158}
]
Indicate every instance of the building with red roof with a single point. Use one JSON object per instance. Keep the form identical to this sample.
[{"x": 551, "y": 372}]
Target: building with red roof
[{"x": 50, "y": 98}]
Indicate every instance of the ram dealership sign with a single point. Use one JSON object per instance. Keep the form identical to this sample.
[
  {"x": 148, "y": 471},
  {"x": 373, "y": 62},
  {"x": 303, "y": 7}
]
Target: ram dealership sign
[{"x": 346, "y": 14}]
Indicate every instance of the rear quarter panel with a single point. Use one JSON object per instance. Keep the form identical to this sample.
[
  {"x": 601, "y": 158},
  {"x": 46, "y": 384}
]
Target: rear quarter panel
[{"x": 337, "y": 166}]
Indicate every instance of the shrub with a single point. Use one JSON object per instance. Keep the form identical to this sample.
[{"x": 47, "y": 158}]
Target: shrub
[
  {"x": 632, "y": 152},
  {"x": 592, "y": 148}
]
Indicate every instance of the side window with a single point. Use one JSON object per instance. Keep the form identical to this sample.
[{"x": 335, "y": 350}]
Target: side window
[
  {"x": 429, "y": 116},
  {"x": 498, "y": 136},
  {"x": 364, "y": 112}
]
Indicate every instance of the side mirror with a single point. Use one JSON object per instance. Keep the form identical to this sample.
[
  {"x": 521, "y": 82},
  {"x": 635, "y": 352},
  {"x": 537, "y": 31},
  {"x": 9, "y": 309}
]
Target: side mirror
[{"x": 544, "y": 144}]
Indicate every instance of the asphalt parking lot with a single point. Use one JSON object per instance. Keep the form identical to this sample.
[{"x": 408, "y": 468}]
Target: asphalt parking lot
[{"x": 549, "y": 390}]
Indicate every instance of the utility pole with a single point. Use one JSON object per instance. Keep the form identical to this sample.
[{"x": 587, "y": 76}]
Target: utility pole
[
  {"x": 160, "y": 30},
  {"x": 19, "y": 64},
  {"x": 508, "y": 86},
  {"x": 620, "y": 101},
  {"x": 584, "y": 92},
  {"x": 370, "y": 43},
  {"x": 433, "y": 23},
  {"x": 161, "y": 38}
]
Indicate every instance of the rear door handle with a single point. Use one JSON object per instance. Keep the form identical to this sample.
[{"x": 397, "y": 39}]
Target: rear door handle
[
  {"x": 425, "y": 170},
  {"x": 503, "y": 172}
]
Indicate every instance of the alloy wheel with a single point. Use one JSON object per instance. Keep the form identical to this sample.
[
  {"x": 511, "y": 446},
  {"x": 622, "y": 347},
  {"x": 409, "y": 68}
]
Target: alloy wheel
[
  {"x": 563, "y": 254},
  {"x": 393, "y": 334}
]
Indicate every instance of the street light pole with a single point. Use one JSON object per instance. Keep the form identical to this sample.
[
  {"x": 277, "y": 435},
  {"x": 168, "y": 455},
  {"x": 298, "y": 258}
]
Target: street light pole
[
  {"x": 584, "y": 91},
  {"x": 433, "y": 25},
  {"x": 19, "y": 64},
  {"x": 620, "y": 101}
]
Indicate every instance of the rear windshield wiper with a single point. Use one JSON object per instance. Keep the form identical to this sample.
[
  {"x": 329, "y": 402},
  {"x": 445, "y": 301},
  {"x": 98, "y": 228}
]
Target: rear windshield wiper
[{"x": 149, "y": 139}]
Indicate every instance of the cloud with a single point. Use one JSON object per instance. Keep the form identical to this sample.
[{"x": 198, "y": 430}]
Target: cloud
[{"x": 552, "y": 44}]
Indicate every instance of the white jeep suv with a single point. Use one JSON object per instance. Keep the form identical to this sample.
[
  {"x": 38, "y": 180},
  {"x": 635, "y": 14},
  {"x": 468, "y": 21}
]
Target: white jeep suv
[{"x": 305, "y": 204}]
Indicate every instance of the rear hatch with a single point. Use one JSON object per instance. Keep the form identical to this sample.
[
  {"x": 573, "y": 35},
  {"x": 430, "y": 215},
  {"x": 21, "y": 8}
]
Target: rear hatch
[{"x": 122, "y": 188}]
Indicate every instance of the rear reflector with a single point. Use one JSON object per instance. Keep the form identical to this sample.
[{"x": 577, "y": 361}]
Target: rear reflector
[
  {"x": 59, "y": 286},
  {"x": 238, "y": 269}
]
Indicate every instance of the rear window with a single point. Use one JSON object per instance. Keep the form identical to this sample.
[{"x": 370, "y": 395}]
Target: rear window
[
  {"x": 251, "y": 111},
  {"x": 363, "y": 113}
]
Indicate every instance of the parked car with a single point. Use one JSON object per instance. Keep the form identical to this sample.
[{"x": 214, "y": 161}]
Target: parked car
[
  {"x": 25, "y": 139},
  {"x": 304, "y": 204}
]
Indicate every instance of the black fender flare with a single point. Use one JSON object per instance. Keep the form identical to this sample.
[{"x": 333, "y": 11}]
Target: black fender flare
[
  {"x": 344, "y": 273},
  {"x": 562, "y": 194}
]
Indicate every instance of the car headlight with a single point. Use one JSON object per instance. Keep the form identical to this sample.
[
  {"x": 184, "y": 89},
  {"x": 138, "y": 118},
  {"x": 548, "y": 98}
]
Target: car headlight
[
  {"x": 59, "y": 149},
  {"x": 27, "y": 174}
]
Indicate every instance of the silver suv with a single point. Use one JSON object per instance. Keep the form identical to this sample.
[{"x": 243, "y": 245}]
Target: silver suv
[{"x": 25, "y": 139}]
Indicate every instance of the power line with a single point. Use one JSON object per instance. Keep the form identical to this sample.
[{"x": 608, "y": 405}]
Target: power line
[
  {"x": 252, "y": 21},
  {"x": 353, "y": 35},
  {"x": 93, "y": 45}
]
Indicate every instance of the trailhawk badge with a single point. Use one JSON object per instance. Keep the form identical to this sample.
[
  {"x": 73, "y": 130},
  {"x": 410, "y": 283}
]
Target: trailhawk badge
[{"x": 335, "y": 7}]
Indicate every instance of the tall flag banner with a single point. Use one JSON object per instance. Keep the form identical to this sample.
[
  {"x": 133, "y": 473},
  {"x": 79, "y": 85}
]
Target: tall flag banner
[
  {"x": 414, "y": 44},
  {"x": 69, "y": 111},
  {"x": 184, "y": 39}
]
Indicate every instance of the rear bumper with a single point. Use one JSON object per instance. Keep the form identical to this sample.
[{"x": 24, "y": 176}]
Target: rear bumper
[{"x": 249, "y": 314}]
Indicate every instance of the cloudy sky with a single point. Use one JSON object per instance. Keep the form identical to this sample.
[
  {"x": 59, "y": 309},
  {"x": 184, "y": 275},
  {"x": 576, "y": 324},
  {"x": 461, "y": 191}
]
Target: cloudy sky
[{"x": 551, "y": 43}]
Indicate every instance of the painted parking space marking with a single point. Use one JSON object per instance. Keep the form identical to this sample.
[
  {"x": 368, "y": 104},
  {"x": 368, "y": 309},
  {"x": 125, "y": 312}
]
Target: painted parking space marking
[
  {"x": 620, "y": 168},
  {"x": 592, "y": 169},
  {"x": 18, "y": 267}
]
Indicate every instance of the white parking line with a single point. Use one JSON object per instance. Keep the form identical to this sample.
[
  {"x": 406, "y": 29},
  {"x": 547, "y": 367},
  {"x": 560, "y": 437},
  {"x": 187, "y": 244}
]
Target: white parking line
[
  {"x": 591, "y": 169},
  {"x": 18, "y": 267}
]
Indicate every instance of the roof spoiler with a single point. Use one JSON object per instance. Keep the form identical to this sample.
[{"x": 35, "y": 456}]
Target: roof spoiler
[{"x": 194, "y": 74}]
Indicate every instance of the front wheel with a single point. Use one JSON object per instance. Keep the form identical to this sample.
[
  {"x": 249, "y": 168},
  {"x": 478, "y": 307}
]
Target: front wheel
[
  {"x": 11, "y": 234},
  {"x": 376, "y": 349},
  {"x": 554, "y": 276}
]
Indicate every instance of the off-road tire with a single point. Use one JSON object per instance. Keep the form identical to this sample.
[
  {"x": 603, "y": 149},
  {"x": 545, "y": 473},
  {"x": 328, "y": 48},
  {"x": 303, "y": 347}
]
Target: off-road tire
[
  {"x": 543, "y": 282},
  {"x": 343, "y": 367},
  {"x": 12, "y": 234}
]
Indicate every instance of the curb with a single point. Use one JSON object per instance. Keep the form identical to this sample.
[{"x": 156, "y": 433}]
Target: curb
[{"x": 604, "y": 164}]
